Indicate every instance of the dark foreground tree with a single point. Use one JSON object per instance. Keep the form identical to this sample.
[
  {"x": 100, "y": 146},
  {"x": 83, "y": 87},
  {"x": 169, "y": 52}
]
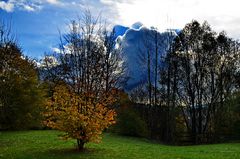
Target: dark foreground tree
[{"x": 201, "y": 77}]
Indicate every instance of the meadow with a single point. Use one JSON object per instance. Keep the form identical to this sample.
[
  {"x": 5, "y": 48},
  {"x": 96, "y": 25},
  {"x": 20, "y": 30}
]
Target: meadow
[{"x": 45, "y": 144}]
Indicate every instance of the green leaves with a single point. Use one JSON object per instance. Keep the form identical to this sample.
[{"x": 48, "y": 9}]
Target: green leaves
[{"x": 20, "y": 92}]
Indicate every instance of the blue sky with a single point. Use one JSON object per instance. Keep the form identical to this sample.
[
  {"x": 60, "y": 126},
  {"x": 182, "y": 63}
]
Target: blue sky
[{"x": 36, "y": 22}]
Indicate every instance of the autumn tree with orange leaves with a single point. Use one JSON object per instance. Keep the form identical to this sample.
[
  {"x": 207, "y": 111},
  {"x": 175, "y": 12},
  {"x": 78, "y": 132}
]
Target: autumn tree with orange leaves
[
  {"x": 83, "y": 77},
  {"x": 79, "y": 118}
]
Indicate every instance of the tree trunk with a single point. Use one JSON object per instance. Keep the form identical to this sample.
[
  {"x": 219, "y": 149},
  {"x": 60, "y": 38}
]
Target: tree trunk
[
  {"x": 156, "y": 69},
  {"x": 80, "y": 144}
]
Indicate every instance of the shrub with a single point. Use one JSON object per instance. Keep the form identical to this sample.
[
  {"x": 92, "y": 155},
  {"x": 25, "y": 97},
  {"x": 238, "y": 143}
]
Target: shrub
[{"x": 130, "y": 123}]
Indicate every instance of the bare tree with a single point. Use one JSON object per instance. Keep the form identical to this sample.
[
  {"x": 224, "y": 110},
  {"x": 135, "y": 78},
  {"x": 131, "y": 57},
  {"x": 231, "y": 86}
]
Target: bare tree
[{"x": 202, "y": 69}]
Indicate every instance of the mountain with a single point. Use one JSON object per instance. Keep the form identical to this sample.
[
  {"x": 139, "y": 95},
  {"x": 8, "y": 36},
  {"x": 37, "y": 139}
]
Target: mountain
[
  {"x": 135, "y": 42},
  {"x": 120, "y": 30}
]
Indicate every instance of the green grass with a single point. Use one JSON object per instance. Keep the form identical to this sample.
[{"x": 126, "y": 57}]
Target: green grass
[{"x": 46, "y": 145}]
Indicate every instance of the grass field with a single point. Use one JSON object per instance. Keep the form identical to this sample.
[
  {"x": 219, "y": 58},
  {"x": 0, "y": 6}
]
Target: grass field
[{"x": 46, "y": 145}]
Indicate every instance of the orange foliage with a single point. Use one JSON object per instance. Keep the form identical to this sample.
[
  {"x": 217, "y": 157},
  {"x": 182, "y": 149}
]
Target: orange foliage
[{"x": 81, "y": 117}]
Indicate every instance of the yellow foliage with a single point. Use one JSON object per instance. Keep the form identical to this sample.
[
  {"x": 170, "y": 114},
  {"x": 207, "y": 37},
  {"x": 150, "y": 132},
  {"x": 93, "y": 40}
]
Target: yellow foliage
[{"x": 82, "y": 117}]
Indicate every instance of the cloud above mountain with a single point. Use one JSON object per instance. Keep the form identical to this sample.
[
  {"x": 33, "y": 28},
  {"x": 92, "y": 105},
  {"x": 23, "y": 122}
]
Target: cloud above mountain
[
  {"x": 41, "y": 19},
  {"x": 221, "y": 15}
]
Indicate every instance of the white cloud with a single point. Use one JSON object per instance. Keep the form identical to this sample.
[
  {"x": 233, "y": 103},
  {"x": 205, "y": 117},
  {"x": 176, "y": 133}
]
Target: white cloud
[
  {"x": 158, "y": 13},
  {"x": 7, "y": 6},
  {"x": 176, "y": 13},
  {"x": 54, "y": 2},
  {"x": 28, "y": 5},
  {"x": 108, "y": 2},
  {"x": 28, "y": 8}
]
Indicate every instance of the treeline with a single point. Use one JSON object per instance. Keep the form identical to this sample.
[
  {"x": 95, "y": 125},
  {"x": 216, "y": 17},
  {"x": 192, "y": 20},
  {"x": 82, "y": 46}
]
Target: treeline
[
  {"x": 21, "y": 92},
  {"x": 197, "y": 92}
]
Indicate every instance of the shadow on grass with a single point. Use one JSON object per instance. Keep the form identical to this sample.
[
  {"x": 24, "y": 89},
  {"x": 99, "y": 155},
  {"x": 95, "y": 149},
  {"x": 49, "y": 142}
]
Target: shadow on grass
[
  {"x": 6, "y": 143},
  {"x": 73, "y": 152}
]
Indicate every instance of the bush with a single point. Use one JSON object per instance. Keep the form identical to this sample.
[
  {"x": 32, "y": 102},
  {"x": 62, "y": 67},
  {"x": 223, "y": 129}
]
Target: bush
[{"x": 130, "y": 123}]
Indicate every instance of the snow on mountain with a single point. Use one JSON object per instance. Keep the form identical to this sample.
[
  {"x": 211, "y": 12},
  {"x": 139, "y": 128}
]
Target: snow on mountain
[{"x": 135, "y": 43}]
